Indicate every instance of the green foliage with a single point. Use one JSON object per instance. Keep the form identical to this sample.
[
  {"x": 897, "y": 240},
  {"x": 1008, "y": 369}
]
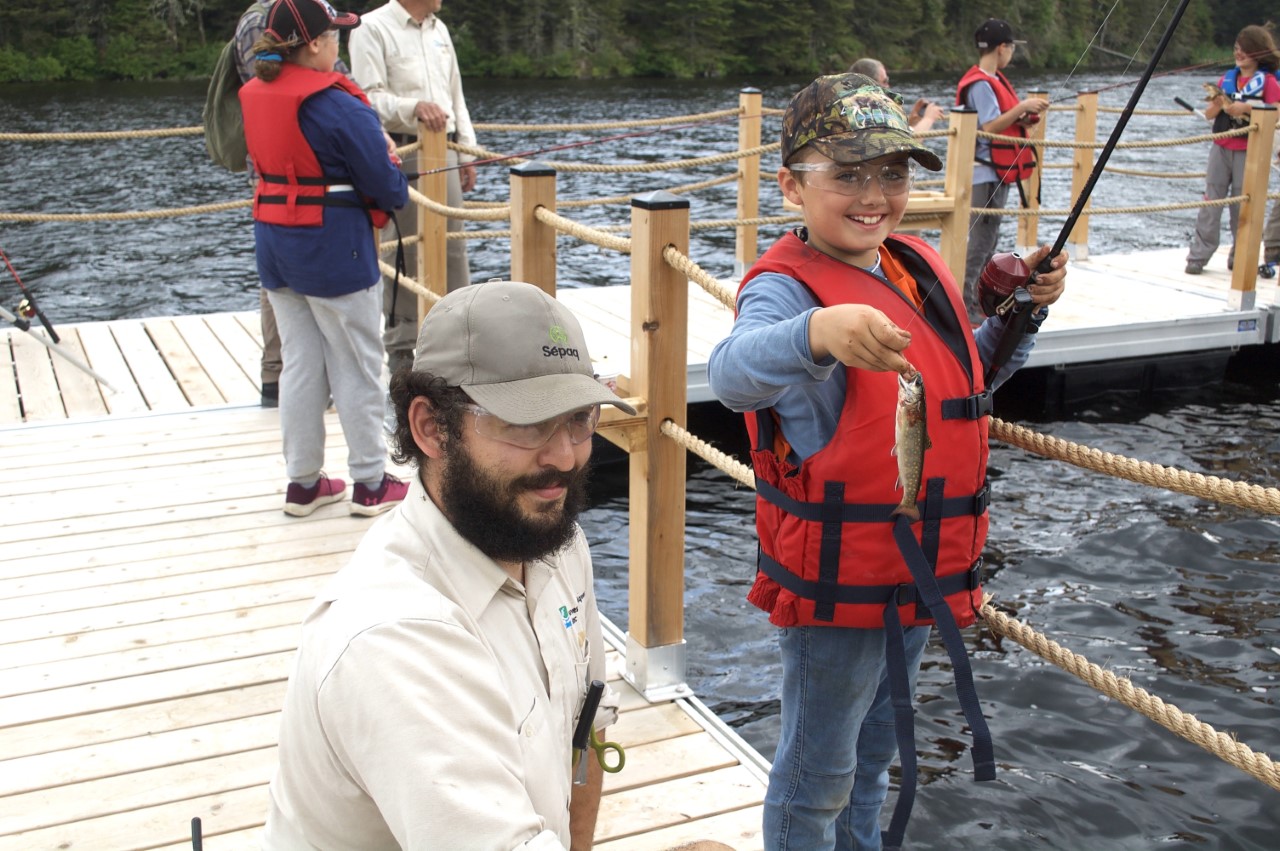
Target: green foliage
[{"x": 147, "y": 39}]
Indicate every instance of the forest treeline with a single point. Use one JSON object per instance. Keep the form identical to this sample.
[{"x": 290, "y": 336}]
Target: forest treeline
[{"x": 44, "y": 40}]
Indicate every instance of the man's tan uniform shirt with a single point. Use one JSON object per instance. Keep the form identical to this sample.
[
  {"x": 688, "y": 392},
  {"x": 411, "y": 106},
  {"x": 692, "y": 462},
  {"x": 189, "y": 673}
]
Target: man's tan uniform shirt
[
  {"x": 434, "y": 697},
  {"x": 398, "y": 62}
]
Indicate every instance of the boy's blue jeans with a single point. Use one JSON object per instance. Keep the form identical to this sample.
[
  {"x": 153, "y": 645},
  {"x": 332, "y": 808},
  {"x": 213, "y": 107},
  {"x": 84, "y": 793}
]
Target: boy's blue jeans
[{"x": 831, "y": 771}]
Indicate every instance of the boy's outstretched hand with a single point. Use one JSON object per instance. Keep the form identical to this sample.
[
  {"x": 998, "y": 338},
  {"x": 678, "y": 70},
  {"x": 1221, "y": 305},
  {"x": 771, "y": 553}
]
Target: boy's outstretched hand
[
  {"x": 859, "y": 336},
  {"x": 1049, "y": 285}
]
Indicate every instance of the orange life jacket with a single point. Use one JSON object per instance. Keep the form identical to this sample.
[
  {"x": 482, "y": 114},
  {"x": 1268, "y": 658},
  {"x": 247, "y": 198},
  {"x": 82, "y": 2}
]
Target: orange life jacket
[
  {"x": 1013, "y": 161},
  {"x": 292, "y": 187}
]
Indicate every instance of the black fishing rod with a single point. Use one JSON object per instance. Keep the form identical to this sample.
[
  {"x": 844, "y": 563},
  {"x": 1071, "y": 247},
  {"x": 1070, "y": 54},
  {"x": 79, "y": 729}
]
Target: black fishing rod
[
  {"x": 413, "y": 175},
  {"x": 1018, "y": 307},
  {"x": 27, "y": 308}
]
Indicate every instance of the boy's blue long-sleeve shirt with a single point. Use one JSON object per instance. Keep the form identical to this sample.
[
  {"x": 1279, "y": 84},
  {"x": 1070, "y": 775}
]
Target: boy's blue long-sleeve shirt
[{"x": 766, "y": 362}]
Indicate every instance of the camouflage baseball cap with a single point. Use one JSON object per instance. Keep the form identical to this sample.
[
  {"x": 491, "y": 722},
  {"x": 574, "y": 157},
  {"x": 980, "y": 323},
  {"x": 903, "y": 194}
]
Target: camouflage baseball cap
[{"x": 850, "y": 119}]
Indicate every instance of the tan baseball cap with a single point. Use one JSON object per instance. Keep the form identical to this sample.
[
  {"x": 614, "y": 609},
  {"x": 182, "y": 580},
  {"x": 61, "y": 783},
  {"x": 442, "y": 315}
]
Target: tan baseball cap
[{"x": 518, "y": 352}]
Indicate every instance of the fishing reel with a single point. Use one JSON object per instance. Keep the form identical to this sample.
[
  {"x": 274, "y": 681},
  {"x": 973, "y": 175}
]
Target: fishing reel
[{"x": 1004, "y": 276}]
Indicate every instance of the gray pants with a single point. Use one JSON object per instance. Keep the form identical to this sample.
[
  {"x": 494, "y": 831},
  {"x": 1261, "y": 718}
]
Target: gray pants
[
  {"x": 1224, "y": 177},
  {"x": 984, "y": 234},
  {"x": 1271, "y": 234},
  {"x": 401, "y": 334},
  {"x": 331, "y": 346}
]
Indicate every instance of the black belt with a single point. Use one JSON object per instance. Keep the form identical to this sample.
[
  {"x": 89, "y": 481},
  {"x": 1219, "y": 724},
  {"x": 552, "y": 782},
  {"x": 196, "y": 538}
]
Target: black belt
[{"x": 402, "y": 139}]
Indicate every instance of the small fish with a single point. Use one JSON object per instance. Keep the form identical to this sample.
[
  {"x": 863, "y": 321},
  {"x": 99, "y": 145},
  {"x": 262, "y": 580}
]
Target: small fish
[
  {"x": 1213, "y": 91},
  {"x": 910, "y": 440}
]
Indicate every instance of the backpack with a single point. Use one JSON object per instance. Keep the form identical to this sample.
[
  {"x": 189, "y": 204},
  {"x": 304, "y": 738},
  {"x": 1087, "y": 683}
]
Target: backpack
[{"x": 223, "y": 122}]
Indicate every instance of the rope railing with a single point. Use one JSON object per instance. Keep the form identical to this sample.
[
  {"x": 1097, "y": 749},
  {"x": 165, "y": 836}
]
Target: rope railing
[
  {"x": 1121, "y": 689},
  {"x": 1150, "y": 143},
  {"x": 102, "y": 135},
  {"x": 1242, "y": 494},
  {"x": 625, "y": 199},
  {"x": 410, "y": 284},
  {"x": 621, "y": 168},
  {"x": 608, "y": 125},
  {"x": 680, "y": 261},
  {"x": 491, "y": 214},
  {"x": 173, "y": 212},
  {"x": 1225, "y": 747},
  {"x": 595, "y": 236},
  {"x": 1117, "y": 211}
]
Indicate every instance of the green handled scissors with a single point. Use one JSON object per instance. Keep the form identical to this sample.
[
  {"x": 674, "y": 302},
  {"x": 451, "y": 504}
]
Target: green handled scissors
[{"x": 603, "y": 749}]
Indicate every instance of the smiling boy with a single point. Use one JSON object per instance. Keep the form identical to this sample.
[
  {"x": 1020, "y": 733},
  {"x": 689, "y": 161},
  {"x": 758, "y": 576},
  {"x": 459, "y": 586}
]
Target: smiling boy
[{"x": 825, "y": 318}]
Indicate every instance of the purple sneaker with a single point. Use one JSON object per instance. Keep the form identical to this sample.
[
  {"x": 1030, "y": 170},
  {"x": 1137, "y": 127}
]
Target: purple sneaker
[
  {"x": 300, "y": 501},
  {"x": 370, "y": 502}
]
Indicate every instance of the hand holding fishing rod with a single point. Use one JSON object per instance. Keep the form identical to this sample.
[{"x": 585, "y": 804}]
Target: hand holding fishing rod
[{"x": 1018, "y": 321}]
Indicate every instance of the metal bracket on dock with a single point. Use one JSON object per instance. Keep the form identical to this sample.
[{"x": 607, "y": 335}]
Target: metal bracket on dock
[{"x": 657, "y": 672}]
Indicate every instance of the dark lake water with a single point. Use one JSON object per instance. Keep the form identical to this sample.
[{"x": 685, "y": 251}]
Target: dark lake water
[{"x": 1175, "y": 593}]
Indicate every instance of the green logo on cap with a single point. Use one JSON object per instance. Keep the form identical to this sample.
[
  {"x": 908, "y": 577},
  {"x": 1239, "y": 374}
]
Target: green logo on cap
[{"x": 558, "y": 335}]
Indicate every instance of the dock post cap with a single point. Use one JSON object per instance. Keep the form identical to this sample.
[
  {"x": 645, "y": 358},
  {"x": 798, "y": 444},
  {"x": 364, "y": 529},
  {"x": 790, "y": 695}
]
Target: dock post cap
[
  {"x": 533, "y": 169},
  {"x": 659, "y": 199}
]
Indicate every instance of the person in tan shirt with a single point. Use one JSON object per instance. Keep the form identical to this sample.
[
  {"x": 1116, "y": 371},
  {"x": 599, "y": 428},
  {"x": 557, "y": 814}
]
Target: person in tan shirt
[{"x": 441, "y": 673}]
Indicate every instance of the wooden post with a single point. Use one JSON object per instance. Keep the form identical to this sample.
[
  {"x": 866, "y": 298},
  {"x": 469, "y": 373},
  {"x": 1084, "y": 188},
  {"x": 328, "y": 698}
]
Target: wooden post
[
  {"x": 750, "y": 102},
  {"x": 533, "y": 244},
  {"x": 431, "y": 225},
  {"x": 1081, "y": 168},
  {"x": 958, "y": 185},
  {"x": 1029, "y": 226},
  {"x": 1253, "y": 210},
  {"x": 659, "y": 373}
]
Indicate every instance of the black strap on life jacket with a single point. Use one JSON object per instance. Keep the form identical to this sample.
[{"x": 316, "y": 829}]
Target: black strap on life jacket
[
  {"x": 972, "y": 407},
  {"x": 904, "y": 726},
  {"x": 929, "y": 589}
]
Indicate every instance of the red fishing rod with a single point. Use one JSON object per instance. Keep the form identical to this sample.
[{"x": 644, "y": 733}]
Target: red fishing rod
[
  {"x": 27, "y": 308},
  {"x": 1003, "y": 283}
]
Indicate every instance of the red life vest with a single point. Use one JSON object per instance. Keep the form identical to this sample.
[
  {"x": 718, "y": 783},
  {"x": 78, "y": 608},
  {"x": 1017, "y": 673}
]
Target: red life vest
[
  {"x": 828, "y": 553},
  {"x": 1013, "y": 161},
  {"x": 292, "y": 187}
]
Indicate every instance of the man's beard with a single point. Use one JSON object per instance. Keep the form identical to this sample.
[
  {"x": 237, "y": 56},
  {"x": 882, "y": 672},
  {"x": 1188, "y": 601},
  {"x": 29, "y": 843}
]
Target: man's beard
[{"x": 486, "y": 511}]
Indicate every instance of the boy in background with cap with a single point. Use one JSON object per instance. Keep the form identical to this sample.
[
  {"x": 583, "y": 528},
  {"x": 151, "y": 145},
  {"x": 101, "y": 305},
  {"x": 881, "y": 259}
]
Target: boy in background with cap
[
  {"x": 827, "y": 319},
  {"x": 987, "y": 91},
  {"x": 441, "y": 672}
]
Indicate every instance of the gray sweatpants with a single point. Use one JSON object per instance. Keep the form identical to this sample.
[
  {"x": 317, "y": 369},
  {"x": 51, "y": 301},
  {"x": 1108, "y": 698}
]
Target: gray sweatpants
[
  {"x": 401, "y": 335},
  {"x": 331, "y": 347},
  {"x": 1224, "y": 176},
  {"x": 984, "y": 234}
]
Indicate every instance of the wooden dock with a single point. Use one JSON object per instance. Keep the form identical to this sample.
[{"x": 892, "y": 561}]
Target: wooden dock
[
  {"x": 151, "y": 588},
  {"x": 151, "y": 591}
]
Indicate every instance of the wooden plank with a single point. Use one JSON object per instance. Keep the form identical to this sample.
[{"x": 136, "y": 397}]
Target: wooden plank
[
  {"x": 150, "y": 372},
  {"x": 37, "y": 385},
  {"x": 10, "y": 409},
  {"x": 739, "y": 829},
  {"x": 240, "y": 344},
  {"x": 162, "y": 561},
  {"x": 141, "y": 722},
  {"x": 652, "y": 724},
  {"x": 101, "y": 642},
  {"x": 198, "y": 389},
  {"x": 81, "y": 394},
  {"x": 678, "y": 801},
  {"x": 105, "y": 358},
  {"x": 140, "y": 661},
  {"x": 232, "y": 383},
  {"x": 167, "y": 823},
  {"x": 151, "y": 611},
  {"x": 668, "y": 759},
  {"x": 251, "y": 322},
  {"x": 75, "y": 802},
  {"x": 99, "y": 697}
]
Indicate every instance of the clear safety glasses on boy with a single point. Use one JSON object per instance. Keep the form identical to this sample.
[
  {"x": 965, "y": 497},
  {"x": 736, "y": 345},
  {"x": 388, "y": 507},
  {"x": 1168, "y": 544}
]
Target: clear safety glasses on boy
[
  {"x": 580, "y": 425},
  {"x": 893, "y": 178}
]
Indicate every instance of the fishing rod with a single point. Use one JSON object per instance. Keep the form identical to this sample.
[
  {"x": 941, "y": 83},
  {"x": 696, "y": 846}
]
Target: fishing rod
[
  {"x": 412, "y": 175},
  {"x": 1124, "y": 83},
  {"x": 1018, "y": 306},
  {"x": 27, "y": 307}
]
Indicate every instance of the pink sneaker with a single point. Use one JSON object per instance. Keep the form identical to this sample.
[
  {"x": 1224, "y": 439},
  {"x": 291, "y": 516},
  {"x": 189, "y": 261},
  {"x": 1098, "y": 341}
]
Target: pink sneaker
[
  {"x": 369, "y": 502},
  {"x": 300, "y": 501}
]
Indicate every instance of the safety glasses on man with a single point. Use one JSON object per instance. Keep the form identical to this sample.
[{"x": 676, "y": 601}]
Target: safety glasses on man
[
  {"x": 580, "y": 425},
  {"x": 894, "y": 178}
]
